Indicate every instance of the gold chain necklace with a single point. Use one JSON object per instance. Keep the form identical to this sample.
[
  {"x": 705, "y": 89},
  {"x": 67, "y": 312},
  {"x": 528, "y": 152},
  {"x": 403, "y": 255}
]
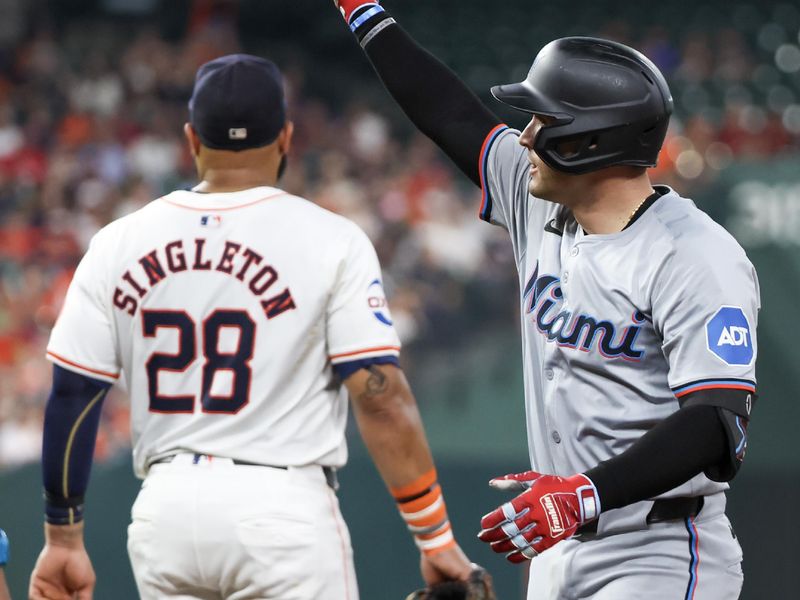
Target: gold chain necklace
[{"x": 635, "y": 210}]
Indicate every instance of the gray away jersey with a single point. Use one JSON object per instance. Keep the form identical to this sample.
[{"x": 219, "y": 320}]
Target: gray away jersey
[{"x": 618, "y": 328}]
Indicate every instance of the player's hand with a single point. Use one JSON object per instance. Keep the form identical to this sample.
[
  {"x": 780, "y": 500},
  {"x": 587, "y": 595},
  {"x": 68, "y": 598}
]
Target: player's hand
[
  {"x": 348, "y": 7},
  {"x": 63, "y": 570},
  {"x": 549, "y": 511},
  {"x": 477, "y": 587},
  {"x": 447, "y": 565}
]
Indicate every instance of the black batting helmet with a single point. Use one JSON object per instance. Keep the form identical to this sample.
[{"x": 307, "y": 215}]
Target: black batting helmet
[{"x": 608, "y": 99}]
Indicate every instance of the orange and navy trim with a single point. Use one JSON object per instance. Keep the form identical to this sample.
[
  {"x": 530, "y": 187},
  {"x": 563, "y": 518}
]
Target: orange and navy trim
[
  {"x": 71, "y": 365},
  {"x": 365, "y": 353},
  {"x": 745, "y": 385},
  {"x": 486, "y": 201}
]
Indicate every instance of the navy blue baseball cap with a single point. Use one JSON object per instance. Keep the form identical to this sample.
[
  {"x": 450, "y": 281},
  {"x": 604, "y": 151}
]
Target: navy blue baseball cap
[{"x": 237, "y": 103}]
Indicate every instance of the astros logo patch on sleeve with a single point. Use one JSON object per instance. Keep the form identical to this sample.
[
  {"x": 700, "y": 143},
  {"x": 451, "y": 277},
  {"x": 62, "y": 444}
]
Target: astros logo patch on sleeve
[{"x": 728, "y": 336}]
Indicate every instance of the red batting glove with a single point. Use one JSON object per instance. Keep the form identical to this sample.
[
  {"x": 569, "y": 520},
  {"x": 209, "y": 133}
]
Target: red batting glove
[
  {"x": 348, "y": 7},
  {"x": 551, "y": 510}
]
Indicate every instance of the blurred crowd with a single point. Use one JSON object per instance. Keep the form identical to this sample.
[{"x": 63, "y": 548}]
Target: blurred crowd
[
  {"x": 90, "y": 130},
  {"x": 737, "y": 96},
  {"x": 85, "y": 142}
]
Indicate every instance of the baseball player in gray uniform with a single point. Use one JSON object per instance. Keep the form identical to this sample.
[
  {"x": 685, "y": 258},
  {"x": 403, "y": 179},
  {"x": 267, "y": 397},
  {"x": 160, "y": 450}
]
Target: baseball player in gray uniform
[{"x": 638, "y": 319}]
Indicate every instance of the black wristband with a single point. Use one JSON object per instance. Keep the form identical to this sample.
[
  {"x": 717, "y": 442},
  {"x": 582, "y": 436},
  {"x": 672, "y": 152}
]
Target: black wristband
[{"x": 59, "y": 510}]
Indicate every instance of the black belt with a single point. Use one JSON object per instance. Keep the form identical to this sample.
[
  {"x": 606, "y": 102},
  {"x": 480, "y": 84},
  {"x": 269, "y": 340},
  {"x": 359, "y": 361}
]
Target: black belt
[
  {"x": 665, "y": 509},
  {"x": 330, "y": 472}
]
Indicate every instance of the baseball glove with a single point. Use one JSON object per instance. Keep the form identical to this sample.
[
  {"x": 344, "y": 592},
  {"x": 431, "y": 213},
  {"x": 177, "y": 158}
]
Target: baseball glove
[{"x": 478, "y": 587}]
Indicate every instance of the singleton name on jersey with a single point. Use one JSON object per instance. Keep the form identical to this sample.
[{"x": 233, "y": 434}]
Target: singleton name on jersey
[{"x": 235, "y": 260}]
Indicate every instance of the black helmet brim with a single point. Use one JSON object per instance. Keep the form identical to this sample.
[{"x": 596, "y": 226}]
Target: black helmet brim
[{"x": 522, "y": 96}]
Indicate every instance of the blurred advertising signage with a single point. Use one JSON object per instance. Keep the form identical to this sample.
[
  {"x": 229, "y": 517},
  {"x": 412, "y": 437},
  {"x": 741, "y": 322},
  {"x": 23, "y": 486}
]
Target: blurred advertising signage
[{"x": 762, "y": 213}]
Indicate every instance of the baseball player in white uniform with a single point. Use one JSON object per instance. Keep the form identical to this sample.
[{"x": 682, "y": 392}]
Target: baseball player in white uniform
[
  {"x": 638, "y": 319},
  {"x": 240, "y": 317}
]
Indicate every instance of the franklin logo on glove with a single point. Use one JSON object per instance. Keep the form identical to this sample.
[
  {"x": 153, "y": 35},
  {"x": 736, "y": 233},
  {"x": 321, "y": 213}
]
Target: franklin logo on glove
[
  {"x": 552, "y": 515},
  {"x": 549, "y": 510}
]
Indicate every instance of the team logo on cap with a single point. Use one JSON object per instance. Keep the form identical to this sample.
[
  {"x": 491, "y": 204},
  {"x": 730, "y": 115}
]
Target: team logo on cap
[
  {"x": 376, "y": 298},
  {"x": 728, "y": 336},
  {"x": 237, "y": 133}
]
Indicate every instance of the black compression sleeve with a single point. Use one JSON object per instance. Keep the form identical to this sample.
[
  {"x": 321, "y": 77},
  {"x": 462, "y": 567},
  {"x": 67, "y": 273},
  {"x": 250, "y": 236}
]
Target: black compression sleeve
[
  {"x": 673, "y": 452},
  {"x": 434, "y": 98},
  {"x": 71, "y": 419}
]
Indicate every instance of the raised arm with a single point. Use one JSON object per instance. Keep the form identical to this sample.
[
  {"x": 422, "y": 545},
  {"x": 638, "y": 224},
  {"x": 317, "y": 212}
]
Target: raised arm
[
  {"x": 434, "y": 98},
  {"x": 390, "y": 424}
]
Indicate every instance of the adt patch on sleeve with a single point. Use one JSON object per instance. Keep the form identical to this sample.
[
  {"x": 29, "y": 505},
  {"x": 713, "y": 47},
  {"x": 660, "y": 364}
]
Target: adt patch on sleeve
[{"x": 728, "y": 336}]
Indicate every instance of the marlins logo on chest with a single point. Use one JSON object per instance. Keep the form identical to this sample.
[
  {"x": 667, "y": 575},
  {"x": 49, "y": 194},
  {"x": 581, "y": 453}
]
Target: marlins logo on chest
[{"x": 544, "y": 301}]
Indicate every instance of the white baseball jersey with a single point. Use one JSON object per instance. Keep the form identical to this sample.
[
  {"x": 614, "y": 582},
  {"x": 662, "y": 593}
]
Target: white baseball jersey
[
  {"x": 618, "y": 328},
  {"x": 226, "y": 313}
]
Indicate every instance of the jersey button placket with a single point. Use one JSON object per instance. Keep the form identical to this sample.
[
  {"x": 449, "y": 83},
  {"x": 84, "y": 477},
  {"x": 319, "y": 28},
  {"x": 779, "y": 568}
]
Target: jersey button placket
[{"x": 551, "y": 423}]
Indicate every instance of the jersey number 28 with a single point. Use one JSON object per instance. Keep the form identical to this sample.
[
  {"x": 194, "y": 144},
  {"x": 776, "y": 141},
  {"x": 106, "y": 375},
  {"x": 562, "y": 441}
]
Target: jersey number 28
[{"x": 215, "y": 361}]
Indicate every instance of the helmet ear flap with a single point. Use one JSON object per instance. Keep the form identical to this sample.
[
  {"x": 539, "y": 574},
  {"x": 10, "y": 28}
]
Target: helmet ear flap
[
  {"x": 570, "y": 148},
  {"x": 560, "y": 151},
  {"x": 654, "y": 134}
]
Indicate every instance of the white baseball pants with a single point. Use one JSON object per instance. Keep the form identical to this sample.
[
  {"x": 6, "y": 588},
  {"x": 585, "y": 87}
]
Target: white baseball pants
[{"x": 216, "y": 530}]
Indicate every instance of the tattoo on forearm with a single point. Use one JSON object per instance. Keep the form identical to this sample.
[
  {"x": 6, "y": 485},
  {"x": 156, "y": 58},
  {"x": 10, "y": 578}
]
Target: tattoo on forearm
[{"x": 377, "y": 383}]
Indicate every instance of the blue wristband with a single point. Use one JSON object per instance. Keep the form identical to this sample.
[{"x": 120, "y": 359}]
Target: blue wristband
[
  {"x": 365, "y": 16},
  {"x": 3, "y": 548}
]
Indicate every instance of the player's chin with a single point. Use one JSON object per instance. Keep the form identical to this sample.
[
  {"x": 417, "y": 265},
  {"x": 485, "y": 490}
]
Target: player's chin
[
  {"x": 533, "y": 178},
  {"x": 537, "y": 187}
]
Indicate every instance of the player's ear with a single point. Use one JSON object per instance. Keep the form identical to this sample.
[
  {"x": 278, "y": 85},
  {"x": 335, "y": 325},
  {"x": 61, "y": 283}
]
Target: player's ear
[
  {"x": 192, "y": 139},
  {"x": 285, "y": 138}
]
